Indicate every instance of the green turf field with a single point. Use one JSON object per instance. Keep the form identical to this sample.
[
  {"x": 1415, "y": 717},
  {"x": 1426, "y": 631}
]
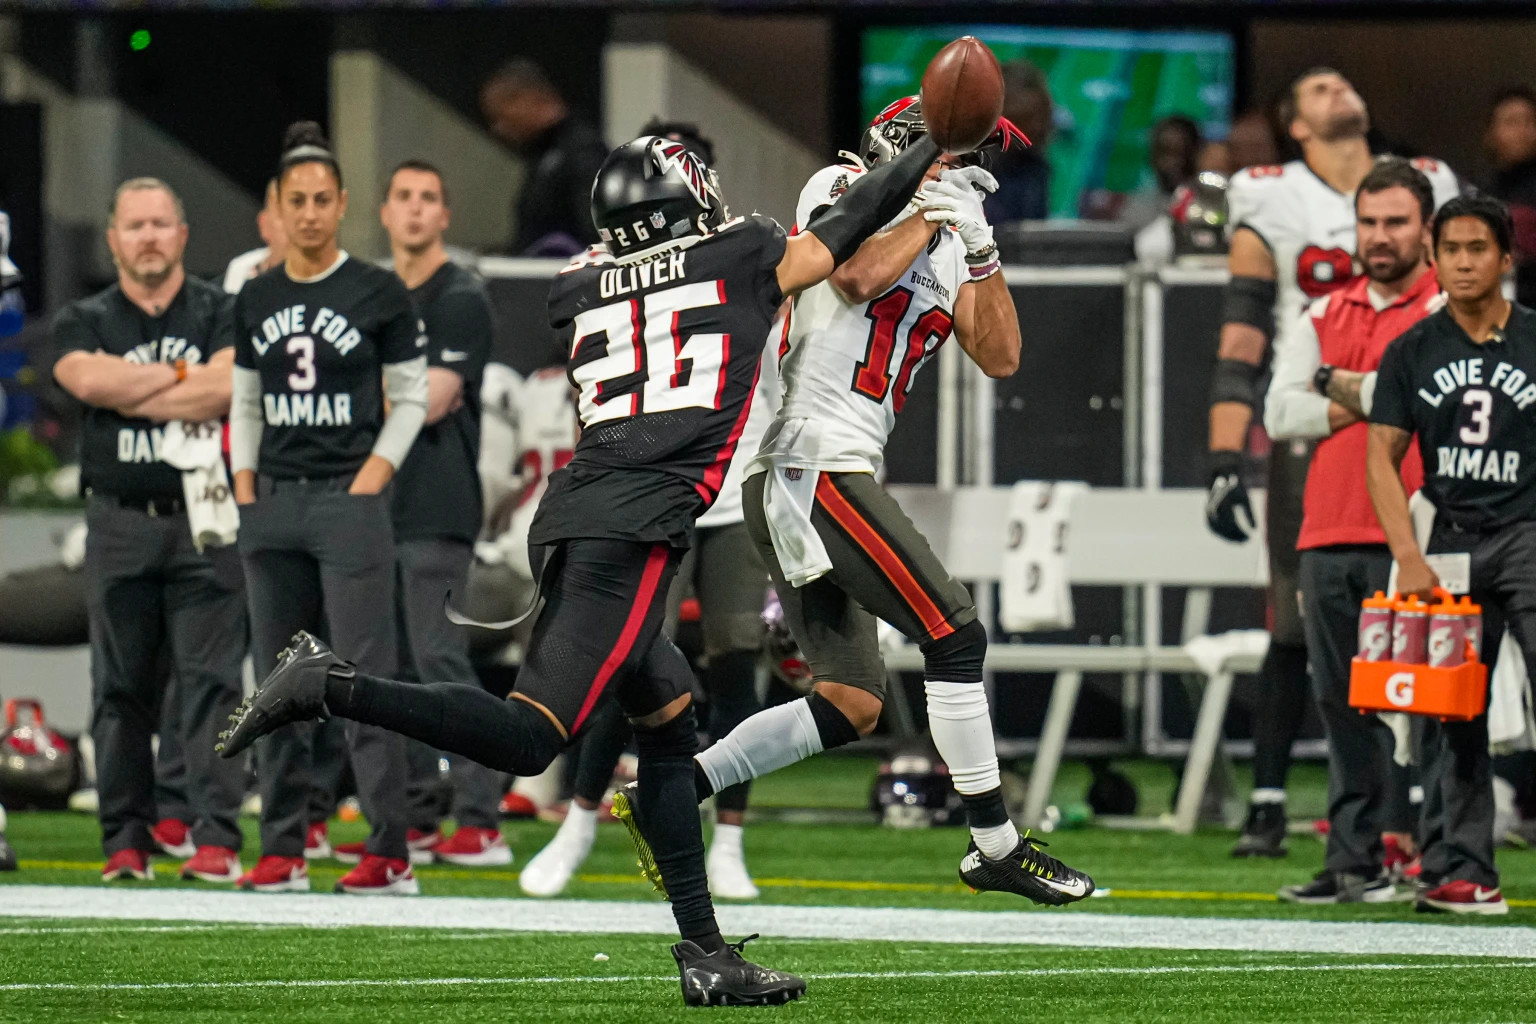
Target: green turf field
[{"x": 1184, "y": 934}]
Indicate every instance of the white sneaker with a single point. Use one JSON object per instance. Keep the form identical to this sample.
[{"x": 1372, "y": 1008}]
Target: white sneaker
[
  {"x": 728, "y": 878},
  {"x": 551, "y": 869}
]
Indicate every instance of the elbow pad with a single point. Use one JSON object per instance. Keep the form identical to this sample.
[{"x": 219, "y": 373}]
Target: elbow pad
[
  {"x": 873, "y": 201},
  {"x": 1251, "y": 301},
  {"x": 1234, "y": 381}
]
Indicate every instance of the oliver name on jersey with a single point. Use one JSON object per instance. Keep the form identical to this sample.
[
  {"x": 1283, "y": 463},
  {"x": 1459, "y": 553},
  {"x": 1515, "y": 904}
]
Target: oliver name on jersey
[
  {"x": 1471, "y": 407},
  {"x": 319, "y": 345},
  {"x": 1308, "y": 227},
  {"x": 848, "y": 367},
  {"x": 664, "y": 355}
]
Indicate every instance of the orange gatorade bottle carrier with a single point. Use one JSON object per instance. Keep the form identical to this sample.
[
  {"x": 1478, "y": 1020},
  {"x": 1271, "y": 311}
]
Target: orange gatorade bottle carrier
[{"x": 1435, "y": 666}]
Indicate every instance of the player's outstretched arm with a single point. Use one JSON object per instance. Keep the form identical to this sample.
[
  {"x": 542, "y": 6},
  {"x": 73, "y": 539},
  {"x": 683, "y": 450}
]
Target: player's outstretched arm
[
  {"x": 1384, "y": 451},
  {"x": 869, "y": 204}
]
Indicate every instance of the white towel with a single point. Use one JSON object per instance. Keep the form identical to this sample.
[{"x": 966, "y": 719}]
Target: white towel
[
  {"x": 1036, "y": 593},
  {"x": 789, "y": 493},
  {"x": 196, "y": 449}
]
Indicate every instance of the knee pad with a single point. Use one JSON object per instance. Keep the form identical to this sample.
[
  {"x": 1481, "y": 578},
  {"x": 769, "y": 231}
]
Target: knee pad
[
  {"x": 957, "y": 658},
  {"x": 677, "y": 738}
]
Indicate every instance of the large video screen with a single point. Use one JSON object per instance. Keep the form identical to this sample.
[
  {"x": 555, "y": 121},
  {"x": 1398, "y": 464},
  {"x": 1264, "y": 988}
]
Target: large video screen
[{"x": 1109, "y": 87}]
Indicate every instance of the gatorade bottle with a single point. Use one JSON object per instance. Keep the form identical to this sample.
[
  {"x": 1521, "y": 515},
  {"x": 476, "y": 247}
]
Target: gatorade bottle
[
  {"x": 1376, "y": 628},
  {"x": 1447, "y": 634},
  {"x": 1410, "y": 631},
  {"x": 1472, "y": 616}
]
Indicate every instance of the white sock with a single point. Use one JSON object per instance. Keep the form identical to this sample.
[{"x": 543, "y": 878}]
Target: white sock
[
  {"x": 579, "y": 826},
  {"x": 961, "y": 726},
  {"x": 727, "y": 841},
  {"x": 2, "y": 819},
  {"x": 1267, "y": 795},
  {"x": 764, "y": 743}
]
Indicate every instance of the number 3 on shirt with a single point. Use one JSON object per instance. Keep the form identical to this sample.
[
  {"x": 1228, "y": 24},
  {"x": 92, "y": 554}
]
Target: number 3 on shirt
[
  {"x": 680, "y": 373},
  {"x": 303, "y": 378}
]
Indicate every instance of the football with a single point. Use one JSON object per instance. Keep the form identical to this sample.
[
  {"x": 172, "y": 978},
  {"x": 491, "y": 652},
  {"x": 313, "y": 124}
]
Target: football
[{"x": 962, "y": 95}]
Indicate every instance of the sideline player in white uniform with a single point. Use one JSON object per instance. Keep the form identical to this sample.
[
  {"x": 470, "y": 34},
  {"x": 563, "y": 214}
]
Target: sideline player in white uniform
[
  {"x": 1293, "y": 241},
  {"x": 841, "y": 551}
]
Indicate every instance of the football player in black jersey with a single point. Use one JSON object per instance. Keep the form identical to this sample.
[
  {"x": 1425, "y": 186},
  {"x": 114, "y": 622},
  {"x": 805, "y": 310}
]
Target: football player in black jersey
[
  {"x": 153, "y": 348},
  {"x": 1463, "y": 381},
  {"x": 322, "y": 343},
  {"x": 666, "y": 327}
]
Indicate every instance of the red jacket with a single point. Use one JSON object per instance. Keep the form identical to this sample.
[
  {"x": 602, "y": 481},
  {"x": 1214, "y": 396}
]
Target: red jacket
[{"x": 1352, "y": 335}]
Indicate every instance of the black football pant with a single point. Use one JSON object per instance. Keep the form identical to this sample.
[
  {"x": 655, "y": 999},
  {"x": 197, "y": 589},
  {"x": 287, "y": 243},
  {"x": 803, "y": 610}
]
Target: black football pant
[
  {"x": 599, "y": 632},
  {"x": 315, "y": 553},
  {"x": 147, "y": 585},
  {"x": 433, "y": 648},
  {"x": 1334, "y": 580},
  {"x": 1457, "y": 772},
  {"x": 1281, "y": 702}
]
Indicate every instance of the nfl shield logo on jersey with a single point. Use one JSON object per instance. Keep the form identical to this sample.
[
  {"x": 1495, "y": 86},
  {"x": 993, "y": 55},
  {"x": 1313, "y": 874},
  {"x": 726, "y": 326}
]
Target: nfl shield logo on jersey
[
  {"x": 793, "y": 474},
  {"x": 658, "y": 220}
]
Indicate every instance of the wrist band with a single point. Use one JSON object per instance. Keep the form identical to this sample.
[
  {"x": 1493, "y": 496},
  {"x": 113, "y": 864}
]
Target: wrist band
[
  {"x": 981, "y": 257},
  {"x": 984, "y": 272}
]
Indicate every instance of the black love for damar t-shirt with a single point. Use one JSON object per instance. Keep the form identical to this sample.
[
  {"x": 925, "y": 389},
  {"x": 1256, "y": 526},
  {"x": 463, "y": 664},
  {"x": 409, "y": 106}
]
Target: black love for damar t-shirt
[
  {"x": 120, "y": 455},
  {"x": 320, "y": 346},
  {"x": 1474, "y": 409}
]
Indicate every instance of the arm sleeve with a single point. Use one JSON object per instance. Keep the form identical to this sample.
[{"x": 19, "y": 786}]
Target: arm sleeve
[
  {"x": 1391, "y": 405},
  {"x": 1292, "y": 409},
  {"x": 874, "y": 200},
  {"x": 405, "y": 385},
  {"x": 245, "y": 422}
]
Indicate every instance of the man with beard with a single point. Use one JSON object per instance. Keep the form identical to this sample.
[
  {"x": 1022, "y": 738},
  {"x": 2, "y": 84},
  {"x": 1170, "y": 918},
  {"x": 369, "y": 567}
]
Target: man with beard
[
  {"x": 153, "y": 348},
  {"x": 1324, "y": 381},
  {"x": 1293, "y": 242}
]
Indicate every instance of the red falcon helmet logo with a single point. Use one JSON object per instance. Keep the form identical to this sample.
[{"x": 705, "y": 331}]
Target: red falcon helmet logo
[{"x": 667, "y": 153}]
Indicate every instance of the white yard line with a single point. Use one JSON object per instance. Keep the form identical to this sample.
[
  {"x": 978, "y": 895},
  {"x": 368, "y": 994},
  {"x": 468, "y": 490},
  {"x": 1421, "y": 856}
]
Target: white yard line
[
  {"x": 964, "y": 927},
  {"x": 1043, "y": 972}
]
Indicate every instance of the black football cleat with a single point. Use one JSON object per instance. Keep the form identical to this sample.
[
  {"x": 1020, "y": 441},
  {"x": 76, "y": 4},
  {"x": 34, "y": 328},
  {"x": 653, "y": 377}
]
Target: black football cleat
[
  {"x": 626, "y": 807},
  {"x": 726, "y": 978},
  {"x": 1026, "y": 872},
  {"x": 7, "y": 855},
  {"x": 294, "y": 692},
  {"x": 1263, "y": 833}
]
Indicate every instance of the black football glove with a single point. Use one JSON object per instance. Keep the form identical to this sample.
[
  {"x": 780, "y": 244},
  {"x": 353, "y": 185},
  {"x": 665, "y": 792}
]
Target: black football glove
[{"x": 1227, "y": 497}]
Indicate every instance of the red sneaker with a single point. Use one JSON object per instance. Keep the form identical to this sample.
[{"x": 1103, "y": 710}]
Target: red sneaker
[
  {"x": 173, "y": 837},
  {"x": 380, "y": 876},
  {"x": 277, "y": 874},
  {"x": 418, "y": 842},
  {"x": 213, "y": 864},
  {"x": 128, "y": 864},
  {"x": 474, "y": 848},
  {"x": 515, "y": 805},
  {"x": 1464, "y": 898},
  {"x": 1396, "y": 863},
  {"x": 317, "y": 842}
]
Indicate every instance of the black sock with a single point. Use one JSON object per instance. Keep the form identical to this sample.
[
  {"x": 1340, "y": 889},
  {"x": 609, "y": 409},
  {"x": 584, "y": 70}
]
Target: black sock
[
  {"x": 672, "y": 825},
  {"x": 731, "y": 682},
  {"x": 1284, "y": 690},
  {"x": 508, "y": 735},
  {"x": 703, "y": 789},
  {"x": 985, "y": 810},
  {"x": 603, "y": 739},
  {"x": 831, "y": 724}
]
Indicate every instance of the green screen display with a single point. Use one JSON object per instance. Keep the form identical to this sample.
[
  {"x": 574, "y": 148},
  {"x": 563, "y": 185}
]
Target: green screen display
[{"x": 1109, "y": 87}]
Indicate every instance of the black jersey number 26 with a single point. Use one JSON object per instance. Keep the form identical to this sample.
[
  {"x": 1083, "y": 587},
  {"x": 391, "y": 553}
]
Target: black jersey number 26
[{"x": 679, "y": 373}]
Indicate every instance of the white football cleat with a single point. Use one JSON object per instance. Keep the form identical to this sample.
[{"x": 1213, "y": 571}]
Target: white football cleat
[{"x": 551, "y": 869}]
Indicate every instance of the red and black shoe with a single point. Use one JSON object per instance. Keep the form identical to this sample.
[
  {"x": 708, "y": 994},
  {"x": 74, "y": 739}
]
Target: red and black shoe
[
  {"x": 213, "y": 864},
  {"x": 474, "y": 848},
  {"x": 380, "y": 876},
  {"x": 277, "y": 874},
  {"x": 1460, "y": 897},
  {"x": 128, "y": 865}
]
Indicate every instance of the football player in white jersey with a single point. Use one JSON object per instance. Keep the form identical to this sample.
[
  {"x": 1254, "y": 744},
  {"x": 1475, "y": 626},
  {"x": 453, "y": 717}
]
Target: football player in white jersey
[
  {"x": 841, "y": 551},
  {"x": 1293, "y": 241}
]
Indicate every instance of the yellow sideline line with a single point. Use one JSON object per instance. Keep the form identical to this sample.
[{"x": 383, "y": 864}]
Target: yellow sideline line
[{"x": 830, "y": 884}]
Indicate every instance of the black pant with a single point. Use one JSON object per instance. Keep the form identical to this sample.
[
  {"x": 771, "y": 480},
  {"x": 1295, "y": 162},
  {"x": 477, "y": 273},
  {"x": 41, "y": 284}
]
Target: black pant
[
  {"x": 434, "y": 650},
  {"x": 1333, "y": 583},
  {"x": 1457, "y": 765},
  {"x": 312, "y": 549},
  {"x": 146, "y": 584}
]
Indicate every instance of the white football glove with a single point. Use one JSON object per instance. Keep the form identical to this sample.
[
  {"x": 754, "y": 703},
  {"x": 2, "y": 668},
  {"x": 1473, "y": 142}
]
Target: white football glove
[{"x": 956, "y": 199}]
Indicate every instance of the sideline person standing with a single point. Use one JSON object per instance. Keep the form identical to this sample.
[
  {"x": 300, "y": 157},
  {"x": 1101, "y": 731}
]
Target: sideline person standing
[
  {"x": 323, "y": 344},
  {"x": 155, "y": 347}
]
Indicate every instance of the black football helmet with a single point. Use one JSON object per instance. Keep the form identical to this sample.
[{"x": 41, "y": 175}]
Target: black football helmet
[
  {"x": 653, "y": 194},
  {"x": 901, "y": 124}
]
